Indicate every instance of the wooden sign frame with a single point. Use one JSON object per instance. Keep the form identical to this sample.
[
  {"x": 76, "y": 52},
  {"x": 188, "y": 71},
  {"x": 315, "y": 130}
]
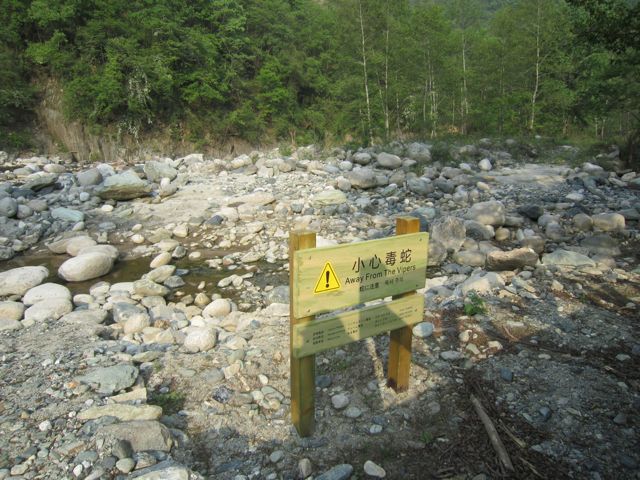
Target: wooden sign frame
[{"x": 324, "y": 281}]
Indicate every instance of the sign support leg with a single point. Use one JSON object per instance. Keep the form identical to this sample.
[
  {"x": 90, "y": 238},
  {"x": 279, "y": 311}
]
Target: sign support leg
[
  {"x": 303, "y": 370},
  {"x": 399, "y": 364}
]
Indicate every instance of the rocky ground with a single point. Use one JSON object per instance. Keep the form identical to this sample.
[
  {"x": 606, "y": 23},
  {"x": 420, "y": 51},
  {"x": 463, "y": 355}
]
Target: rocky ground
[{"x": 144, "y": 327}]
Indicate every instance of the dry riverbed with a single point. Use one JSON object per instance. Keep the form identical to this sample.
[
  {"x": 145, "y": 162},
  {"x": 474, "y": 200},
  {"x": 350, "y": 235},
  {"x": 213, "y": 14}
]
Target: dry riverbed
[{"x": 144, "y": 329}]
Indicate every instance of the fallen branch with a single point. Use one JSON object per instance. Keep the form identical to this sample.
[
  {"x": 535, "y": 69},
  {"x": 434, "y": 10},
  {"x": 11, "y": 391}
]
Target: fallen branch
[{"x": 493, "y": 433}]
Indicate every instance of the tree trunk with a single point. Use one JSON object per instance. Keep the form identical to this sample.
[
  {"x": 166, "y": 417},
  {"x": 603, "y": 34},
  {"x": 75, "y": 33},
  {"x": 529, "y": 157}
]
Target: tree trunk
[
  {"x": 386, "y": 77},
  {"x": 464, "y": 106},
  {"x": 534, "y": 96},
  {"x": 366, "y": 79}
]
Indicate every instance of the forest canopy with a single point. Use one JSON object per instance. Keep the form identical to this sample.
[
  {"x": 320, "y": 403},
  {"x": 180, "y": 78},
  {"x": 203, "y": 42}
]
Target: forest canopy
[{"x": 305, "y": 71}]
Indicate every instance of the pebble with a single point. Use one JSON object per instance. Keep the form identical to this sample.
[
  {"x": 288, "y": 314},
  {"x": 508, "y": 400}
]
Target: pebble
[
  {"x": 374, "y": 470},
  {"x": 340, "y": 401}
]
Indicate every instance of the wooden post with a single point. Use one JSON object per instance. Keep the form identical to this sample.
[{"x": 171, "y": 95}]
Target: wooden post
[
  {"x": 399, "y": 364},
  {"x": 303, "y": 370}
]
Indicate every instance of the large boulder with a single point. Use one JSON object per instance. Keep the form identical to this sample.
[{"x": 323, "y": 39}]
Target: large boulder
[
  {"x": 141, "y": 435},
  {"x": 608, "y": 222},
  {"x": 18, "y": 280},
  {"x": 89, "y": 177},
  {"x": 419, "y": 151},
  {"x": 123, "y": 186},
  {"x": 487, "y": 213},
  {"x": 8, "y": 207},
  {"x": 11, "y": 311},
  {"x": 156, "y": 171},
  {"x": 511, "y": 260},
  {"x": 53, "y": 309},
  {"x": 567, "y": 258},
  {"x": 362, "y": 178},
  {"x": 387, "y": 160},
  {"x": 450, "y": 232},
  {"x": 46, "y": 291},
  {"x": 85, "y": 267},
  {"x": 67, "y": 215},
  {"x": 420, "y": 186},
  {"x": 329, "y": 197},
  {"x": 110, "y": 380}
]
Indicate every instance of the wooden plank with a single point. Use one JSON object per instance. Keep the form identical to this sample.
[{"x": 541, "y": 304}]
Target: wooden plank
[
  {"x": 399, "y": 365},
  {"x": 337, "y": 330},
  {"x": 303, "y": 370},
  {"x": 329, "y": 278}
]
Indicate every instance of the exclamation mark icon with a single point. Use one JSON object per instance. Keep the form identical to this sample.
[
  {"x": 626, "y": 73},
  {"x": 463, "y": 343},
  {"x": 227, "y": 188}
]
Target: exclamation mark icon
[{"x": 327, "y": 276}]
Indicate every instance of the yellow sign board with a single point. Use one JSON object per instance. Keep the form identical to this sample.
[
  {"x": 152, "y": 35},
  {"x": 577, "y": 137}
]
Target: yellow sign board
[
  {"x": 329, "y": 278},
  {"x": 327, "y": 281},
  {"x": 337, "y": 330}
]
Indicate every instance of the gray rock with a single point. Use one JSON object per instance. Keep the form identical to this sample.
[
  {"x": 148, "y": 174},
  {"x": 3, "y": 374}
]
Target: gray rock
[
  {"x": 142, "y": 435},
  {"x": 485, "y": 165},
  {"x": 67, "y": 215},
  {"x": 123, "y": 186},
  {"x": 11, "y": 311},
  {"x": 583, "y": 222},
  {"x": 608, "y": 222},
  {"x": 420, "y": 186},
  {"x": 7, "y": 324},
  {"x": 601, "y": 245},
  {"x": 146, "y": 287},
  {"x": 481, "y": 284},
  {"x": 352, "y": 412},
  {"x": 361, "y": 158},
  {"x": 362, "y": 178},
  {"x": 38, "y": 181},
  {"x": 506, "y": 374},
  {"x": 279, "y": 294},
  {"x": 567, "y": 258},
  {"x": 487, "y": 213},
  {"x": 444, "y": 185},
  {"x": 305, "y": 468},
  {"x": 478, "y": 231},
  {"x": 471, "y": 258},
  {"x": 85, "y": 267},
  {"x": 199, "y": 339},
  {"x": 437, "y": 253},
  {"x": 423, "y": 330},
  {"x": 88, "y": 178},
  {"x": 167, "y": 470},
  {"x": 221, "y": 307},
  {"x": 328, "y": 197},
  {"x": 122, "y": 411},
  {"x": 112, "y": 379},
  {"x": 8, "y": 207},
  {"x": 533, "y": 212},
  {"x": 419, "y": 151},
  {"x": 450, "y": 232},
  {"x": 387, "y": 160},
  {"x": 339, "y": 401},
  {"x": 85, "y": 316},
  {"x": 451, "y": 355},
  {"x": 18, "y": 281},
  {"x": 511, "y": 260},
  {"x": 46, "y": 291},
  {"x": 51, "y": 309},
  {"x": 108, "y": 250},
  {"x": 374, "y": 470},
  {"x": 156, "y": 171},
  {"x": 339, "y": 472},
  {"x": 75, "y": 244}
]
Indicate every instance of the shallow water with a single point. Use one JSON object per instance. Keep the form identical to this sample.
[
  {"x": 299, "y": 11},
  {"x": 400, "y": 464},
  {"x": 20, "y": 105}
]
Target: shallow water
[{"x": 133, "y": 269}]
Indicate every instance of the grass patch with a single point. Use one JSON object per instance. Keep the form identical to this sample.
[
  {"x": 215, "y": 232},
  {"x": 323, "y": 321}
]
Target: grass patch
[
  {"x": 171, "y": 402},
  {"x": 474, "y": 305}
]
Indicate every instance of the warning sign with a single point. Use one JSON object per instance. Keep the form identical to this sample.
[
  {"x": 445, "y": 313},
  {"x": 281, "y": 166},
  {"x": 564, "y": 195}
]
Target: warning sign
[{"x": 328, "y": 280}]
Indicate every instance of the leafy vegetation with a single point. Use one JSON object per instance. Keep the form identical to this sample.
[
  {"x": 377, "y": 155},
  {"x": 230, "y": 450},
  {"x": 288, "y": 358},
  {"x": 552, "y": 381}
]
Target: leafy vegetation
[
  {"x": 299, "y": 71},
  {"x": 474, "y": 305},
  {"x": 171, "y": 402}
]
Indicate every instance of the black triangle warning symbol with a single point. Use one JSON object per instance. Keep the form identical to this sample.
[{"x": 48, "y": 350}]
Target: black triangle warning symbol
[{"x": 327, "y": 281}]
